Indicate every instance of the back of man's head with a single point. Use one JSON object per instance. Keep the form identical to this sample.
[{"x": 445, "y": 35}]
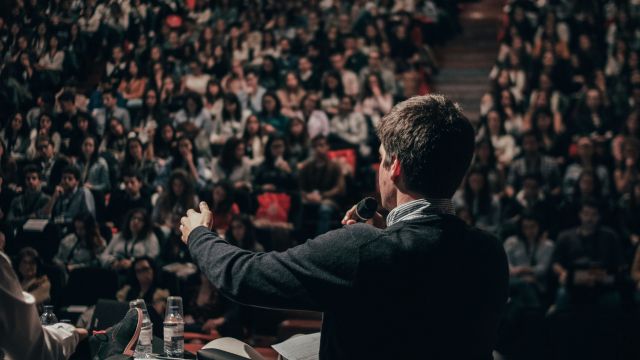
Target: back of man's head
[{"x": 433, "y": 141}]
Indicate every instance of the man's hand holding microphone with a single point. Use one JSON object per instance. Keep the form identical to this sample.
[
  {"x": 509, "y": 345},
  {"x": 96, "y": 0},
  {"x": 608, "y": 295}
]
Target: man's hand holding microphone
[{"x": 365, "y": 211}]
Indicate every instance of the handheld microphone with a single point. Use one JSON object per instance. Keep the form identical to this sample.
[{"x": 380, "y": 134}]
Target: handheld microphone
[{"x": 365, "y": 209}]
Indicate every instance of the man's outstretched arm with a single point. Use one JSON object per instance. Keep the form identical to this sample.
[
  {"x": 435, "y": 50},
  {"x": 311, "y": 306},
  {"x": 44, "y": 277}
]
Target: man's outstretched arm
[{"x": 313, "y": 276}]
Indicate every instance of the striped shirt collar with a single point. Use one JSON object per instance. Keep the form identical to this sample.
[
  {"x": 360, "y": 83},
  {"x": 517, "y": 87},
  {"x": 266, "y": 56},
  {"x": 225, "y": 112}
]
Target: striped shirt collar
[{"x": 419, "y": 208}]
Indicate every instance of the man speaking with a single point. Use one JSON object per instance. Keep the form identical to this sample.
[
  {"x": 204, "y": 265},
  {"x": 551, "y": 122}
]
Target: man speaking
[{"x": 422, "y": 285}]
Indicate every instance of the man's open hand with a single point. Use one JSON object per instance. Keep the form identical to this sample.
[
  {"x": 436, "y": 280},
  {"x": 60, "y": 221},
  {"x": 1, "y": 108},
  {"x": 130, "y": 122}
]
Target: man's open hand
[{"x": 195, "y": 219}]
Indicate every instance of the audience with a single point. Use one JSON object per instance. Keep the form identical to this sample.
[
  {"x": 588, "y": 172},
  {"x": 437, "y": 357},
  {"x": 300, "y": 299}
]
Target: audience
[{"x": 115, "y": 122}]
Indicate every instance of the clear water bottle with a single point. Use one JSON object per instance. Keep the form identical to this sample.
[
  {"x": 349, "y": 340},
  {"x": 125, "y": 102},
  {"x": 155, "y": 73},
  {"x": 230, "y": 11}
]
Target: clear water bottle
[
  {"x": 174, "y": 327},
  {"x": 48, "y": 317},
  {"x": 143, "y": 348}
]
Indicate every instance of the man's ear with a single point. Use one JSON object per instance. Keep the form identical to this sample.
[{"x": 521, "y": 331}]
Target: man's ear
[{"x": 395, "y": 170}]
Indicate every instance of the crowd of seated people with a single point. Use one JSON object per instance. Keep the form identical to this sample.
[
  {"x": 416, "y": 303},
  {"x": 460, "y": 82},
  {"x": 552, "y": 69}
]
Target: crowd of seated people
[
  {"x": 556, "y": 169},
  {"x": 116, "y": 116}
]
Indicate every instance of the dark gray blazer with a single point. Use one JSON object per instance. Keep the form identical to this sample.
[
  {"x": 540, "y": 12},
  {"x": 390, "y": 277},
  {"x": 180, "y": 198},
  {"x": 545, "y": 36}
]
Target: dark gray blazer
[{"x": 430, "y": 288}]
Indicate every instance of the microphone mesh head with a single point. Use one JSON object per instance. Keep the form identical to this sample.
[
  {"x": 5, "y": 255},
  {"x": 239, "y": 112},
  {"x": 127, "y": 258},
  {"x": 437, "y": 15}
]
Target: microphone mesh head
[{"x": 367, "y": 208}]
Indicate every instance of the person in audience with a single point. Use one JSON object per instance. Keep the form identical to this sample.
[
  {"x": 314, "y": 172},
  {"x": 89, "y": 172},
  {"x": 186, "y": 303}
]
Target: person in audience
[
  {"x": 586, "y": 161},
  {"x": 44, "y": 129},
  {"x": 627, "y": 170},
  {"x": 477, "y": 197},
  {"x": 69, "y": 199},
  {"x": 376, "y": 101},
  {"x": 533, "y": 161},
  {"x": 31, "y": 204},
  {"x": 231, "y": 123},
  {"x": 132, "y": 85},
  {"x": 110, "y": 110},
  {"x": 271, "y": 115},
  {"x": 136, "y": 238},
  {"x": 15, "y": 136},
  {"x": 254, "y": 139},
  {"x": 137, "y": 161},
  {"x": 315, "y": 118},
  {"x": 30, "y": 271},
  {"x": 242, "y": 233},
  {"x": 322, "y": 184},
  {"x": 179, "y": 196},
  {"x": 93, "y": 168},
  {"x": 503, "y": 144},
  {"x": 291, "y": 95},
  {"x": 275, "y": 173},
  {"x": 134, "y": 196},
  {"x": 588, "y": 245},
  {"x": 222, "y": 199},
  {"x": 184, "y": 157},
  {"x": 207, "y": 310},
  {"x": 50, "y": 163},
  {"x": 114, "y": 142},
  {"x": 142, "y": 283},
  {"x": 529, "y": 253},
  {"x": 82, "y": 247},
  {"x": 232, "y": 165},
  {"x": 298, "y": 141},
  {"x": 164, "y": 143},
  {"x": 349, "y": 128}
]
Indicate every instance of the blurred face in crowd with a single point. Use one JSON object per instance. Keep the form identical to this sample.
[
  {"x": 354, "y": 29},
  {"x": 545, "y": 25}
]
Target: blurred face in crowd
[
  {"x": 191, "y": 105},
  {"x": 476, "y": 182},
  {"x": 185, "y": 147},
  {"x": 219, "y": 194},
  {"x": 144, "y": 273},
  {"x": 304, "y": 65},
  {"x": 292, "y": 81},
  {"x": 593, "y": 99},
  {"x": 586, "y": 184},
  {"x": 32, "y": 181},
  {"x": 337, "y": 62},
  {"x": 530, "y": 145},
  {"x": 345, "y": 105},
  {"x": 494, "y": 122},
  {"x": 133, "y": 69},
  {"x": 253, "y": 125},
  {"x": 83, "y": 124},
  {"x": 530, "y": 229},
  {"x": 277, "y": 148},
  {"x": 108, "y": 100},
  {"x": 151, "y": 99},
  {"x": 297, "y": 127},
  {"x": 69, "y": 182},
  {"x": 167, "y": 133},
  {"x": 252, "y": 80},
  {"x": 177, "y": 186},
  {"x": 88, "y": 147},
  {"x": 28, "y": 267},
  {"x": 309, "y": 103},
  {"x": 79, "y": 229},
  {"x": 116, "y": 127},
  {"x": 45, "y": 149},
  {"x": 136, "y": 223},
  {"x": 45, "y": 122},
  {"x": 16, "y": 122},
  {"x": 269, "y": 103},
  {"x": 135, "y": 149},
  {"x": 589, "y": 218},
  {"x": 238, "y": 230},
  {"x": 53, "y": 43},
  {"x": 116, "y": 53},
  {"x": 156, "y": 54},
  {"x": 374, "y": 60},
  {"x": 239, "y": 151},
  {"x": 132, "y": 185}
]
